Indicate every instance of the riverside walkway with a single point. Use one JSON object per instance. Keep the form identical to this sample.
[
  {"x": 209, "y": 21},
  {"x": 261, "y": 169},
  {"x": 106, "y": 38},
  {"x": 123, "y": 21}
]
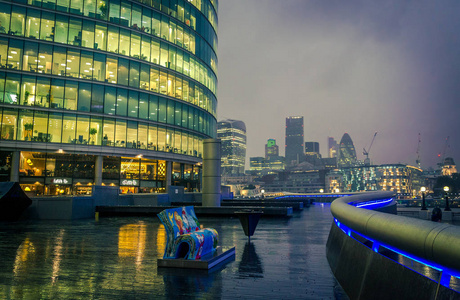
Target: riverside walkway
[{"x": 116, "y": 258}]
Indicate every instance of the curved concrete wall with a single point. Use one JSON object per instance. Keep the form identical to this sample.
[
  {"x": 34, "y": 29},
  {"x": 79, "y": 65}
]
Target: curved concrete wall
[{"x": 354, "y": 244}]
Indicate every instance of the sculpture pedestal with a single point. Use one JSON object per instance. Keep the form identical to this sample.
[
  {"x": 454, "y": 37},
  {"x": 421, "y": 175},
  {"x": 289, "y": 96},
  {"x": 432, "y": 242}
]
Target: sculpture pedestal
[
  {"x": 205, "y": 263},
  {"x": 249, "y": 220}
]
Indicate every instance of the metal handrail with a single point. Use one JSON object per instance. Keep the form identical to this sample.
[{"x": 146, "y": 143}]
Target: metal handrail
[{"x": 436, "y": 243}]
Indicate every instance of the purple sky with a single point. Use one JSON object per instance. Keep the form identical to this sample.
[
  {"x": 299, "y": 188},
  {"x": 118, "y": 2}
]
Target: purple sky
[{"x": 346, "y": 66}]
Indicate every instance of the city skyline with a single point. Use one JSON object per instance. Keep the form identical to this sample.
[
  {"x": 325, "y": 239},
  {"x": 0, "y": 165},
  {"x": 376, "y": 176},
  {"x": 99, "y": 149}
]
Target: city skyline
[{"x": 361, "y": 67}]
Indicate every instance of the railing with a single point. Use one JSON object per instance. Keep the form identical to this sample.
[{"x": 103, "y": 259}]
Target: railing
[{"x": 436, "y": 245}]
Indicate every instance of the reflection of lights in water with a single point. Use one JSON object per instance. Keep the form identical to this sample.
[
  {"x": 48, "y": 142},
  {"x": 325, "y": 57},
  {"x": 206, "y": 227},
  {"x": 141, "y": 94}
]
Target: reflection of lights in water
[
  {"x": 57, "y": 256},
  {"x": 161, "y": 240},
  {"x": 131, "y": 241},
  {"x": 26, "y": 249}
]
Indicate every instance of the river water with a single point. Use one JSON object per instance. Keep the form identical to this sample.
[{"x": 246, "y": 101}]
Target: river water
[{"x": 116, "y": 258}]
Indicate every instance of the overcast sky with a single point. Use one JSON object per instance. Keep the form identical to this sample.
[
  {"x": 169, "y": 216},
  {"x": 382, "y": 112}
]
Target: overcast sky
[{"x": 345, "y": 66}]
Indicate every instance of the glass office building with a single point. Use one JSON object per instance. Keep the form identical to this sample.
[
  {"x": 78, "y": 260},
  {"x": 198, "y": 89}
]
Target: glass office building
[
  {"x": 106, "y": 92},
  {"x": 232, "y": 133}
]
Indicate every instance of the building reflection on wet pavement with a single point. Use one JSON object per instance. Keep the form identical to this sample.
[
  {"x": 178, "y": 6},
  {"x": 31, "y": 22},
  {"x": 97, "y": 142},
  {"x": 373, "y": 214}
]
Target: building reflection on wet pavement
[{"x": 116, "y": 258}]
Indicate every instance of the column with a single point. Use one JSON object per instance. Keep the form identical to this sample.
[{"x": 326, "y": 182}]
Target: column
[
  {"x": 14, "y": 175},
  {"x": 168, "y": 175},
  {"x": 98, "y": 170},
  {"x": 211, "y": 172}
]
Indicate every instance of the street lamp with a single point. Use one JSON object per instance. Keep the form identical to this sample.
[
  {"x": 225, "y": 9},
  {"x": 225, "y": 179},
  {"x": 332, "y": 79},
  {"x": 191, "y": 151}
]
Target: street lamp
[
  {"x": 321, "y": 190},
  {"x": 423, "y": 190},
  {"x": 337, "y": 191},
  {"x": 446, "y": 189}
]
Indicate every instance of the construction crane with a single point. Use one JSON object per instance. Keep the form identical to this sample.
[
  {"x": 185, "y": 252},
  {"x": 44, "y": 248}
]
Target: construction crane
[
  {"x": 443, "y": 154},
  {"x": 418, "y": 161},
  {"x": 367, "y": 161}
]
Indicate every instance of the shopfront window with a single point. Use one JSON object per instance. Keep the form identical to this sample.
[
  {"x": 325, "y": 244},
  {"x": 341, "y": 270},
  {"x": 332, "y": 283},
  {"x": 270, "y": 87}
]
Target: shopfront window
[
  {"x": 32, "y": 164},
  {"x": 111, "y": 167},
  {"x": 130, "y": 168}
]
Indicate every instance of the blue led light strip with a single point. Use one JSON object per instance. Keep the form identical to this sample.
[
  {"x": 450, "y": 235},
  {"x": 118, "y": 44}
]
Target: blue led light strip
[{"x": 446, "y": 272}]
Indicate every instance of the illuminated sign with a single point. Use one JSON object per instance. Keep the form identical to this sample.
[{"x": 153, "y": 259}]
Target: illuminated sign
[
  {"x": 60, "y": 181},
  {"x": 129, "y": 182}
]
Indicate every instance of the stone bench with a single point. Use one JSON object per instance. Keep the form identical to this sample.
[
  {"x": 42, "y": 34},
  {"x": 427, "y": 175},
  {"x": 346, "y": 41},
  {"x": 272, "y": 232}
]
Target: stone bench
[{"x": 185, "y": 238}]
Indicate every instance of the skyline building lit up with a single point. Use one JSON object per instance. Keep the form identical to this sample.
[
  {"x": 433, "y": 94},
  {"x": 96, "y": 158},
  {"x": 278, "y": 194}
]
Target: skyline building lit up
[
  {"x": 232, "y": 134},
  {"x": 294, "y": 153},
  {"x": 347, "y": 153},
  {"x": 106, "y": 93}
]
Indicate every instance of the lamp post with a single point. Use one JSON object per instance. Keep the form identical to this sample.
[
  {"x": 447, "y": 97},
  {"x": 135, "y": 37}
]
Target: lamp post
[
  {"x": 321, "y": 190},
  {"x": 423, "y": 190},
  {"x": 446, "y": 189}
]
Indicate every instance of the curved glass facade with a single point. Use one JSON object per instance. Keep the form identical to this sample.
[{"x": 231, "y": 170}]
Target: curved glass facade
[{"x": 95, "y": 75}]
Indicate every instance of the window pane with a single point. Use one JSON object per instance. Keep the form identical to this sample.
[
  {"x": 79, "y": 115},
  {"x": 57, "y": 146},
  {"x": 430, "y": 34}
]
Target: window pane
[
  {"x": 88, "y": 34},
  {"x": 95, "y": 131},
  {"x": 143, "y": 106},
  {"x": 161, "y": 138},
  {"x": 123, "y": 71},
  {"x": 153, "y": 108},
  {"x": 124, "y": 44},
  {"x": 84, "y": 96},
  {"x": 111, "y": 70},
  {"x": 33, "y": 23},
  {"x": 122, "y": 102},
  {"x": 110, "y": 101},
  {"x": 55, "y": 127},
  {"x": 15, "y": 55},
  {"x": 47, "y": 27},
  {"x": 57, "y": 94},
  {"x": 73, "y": 63},
  {"x": 134, "y": 74},
  {"x": 18, "y": 22},
  {"x": 108, "y": 132},
  {"x": 112, "y": 44},
  {"x": 82, "y": 130},
  {"x": 97, "y": 98},
  {"x": 99, "y": 67},
  {"x": 142, "y": 136},
  {"x": 120, "y": 134},
  {"x": 9, "y": 124},
  {"x": 69, "y": 127},
  {"x": 154, "y": 79},
  {"x": 41, "y": 127},
  {"x": 59, "y": 61},
  {"x": 71, "y": 94},
  {"x": 62, "y": 28},
  {"x": 74, "y": 32},
  {"x": 100, "y": 41},
  {"x": 28, "y": 90},
  {"x": 131, "y": 138},
  {"x": 43, "y": 92},
  {"x": 162, "y": 110},
  {"x": 30, "y": 57},
  {"x": 145, "y": 77},
  {"x": 135, "y": 45},
  {"x": 45, "y": 58},
  {"x": 133, "y": 104},
  {"x": 86, "y": 65}
]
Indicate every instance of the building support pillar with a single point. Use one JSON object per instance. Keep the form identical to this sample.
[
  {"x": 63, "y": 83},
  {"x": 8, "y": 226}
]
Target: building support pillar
[
  {"x": 211, "y": 172},
  {"x": 98, "y": 170},
  {"x": 168, "y": 175},
  {"x": 14, "y": 174}
]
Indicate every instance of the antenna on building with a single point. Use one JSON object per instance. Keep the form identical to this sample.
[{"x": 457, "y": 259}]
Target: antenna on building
[{"x": 418, "y": 160}]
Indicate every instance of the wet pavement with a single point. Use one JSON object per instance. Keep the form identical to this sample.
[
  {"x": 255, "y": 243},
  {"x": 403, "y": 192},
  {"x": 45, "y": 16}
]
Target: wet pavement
[{"x": 116, "y": 258}]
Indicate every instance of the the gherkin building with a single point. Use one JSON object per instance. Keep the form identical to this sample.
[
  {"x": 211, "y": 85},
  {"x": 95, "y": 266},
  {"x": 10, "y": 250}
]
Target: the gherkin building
[{"x": 347, "y": 152}]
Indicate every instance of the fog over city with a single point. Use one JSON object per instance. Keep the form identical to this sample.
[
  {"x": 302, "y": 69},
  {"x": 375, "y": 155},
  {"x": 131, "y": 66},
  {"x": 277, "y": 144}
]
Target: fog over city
[{"x": 346, "y": 66}]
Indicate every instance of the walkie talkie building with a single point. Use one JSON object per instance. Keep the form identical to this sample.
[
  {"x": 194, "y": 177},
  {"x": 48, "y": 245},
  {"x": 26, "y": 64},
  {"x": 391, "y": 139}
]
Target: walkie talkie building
[{"x": 106, "y": 92}]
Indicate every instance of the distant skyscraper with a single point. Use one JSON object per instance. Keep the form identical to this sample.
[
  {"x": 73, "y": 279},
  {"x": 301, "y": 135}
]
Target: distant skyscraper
[
  {"x": 312, "y": 148},
  {"x": 332, "y": 147},
  {"x": 271, "y": 149},
  {"x": 233, "y": 136},
  {"x": 347, "y": 153},
  {"x": 294, "y": 141}
]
